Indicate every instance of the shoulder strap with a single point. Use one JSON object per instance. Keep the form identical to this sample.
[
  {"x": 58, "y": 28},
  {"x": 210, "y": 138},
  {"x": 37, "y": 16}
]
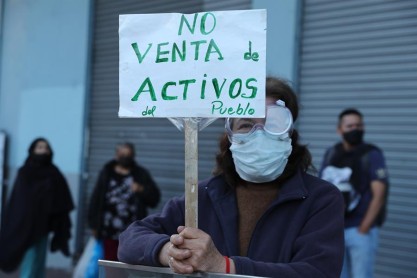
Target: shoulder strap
[
  {"x": 330, "y": 154},
  {"x": 365, "y": 156}
]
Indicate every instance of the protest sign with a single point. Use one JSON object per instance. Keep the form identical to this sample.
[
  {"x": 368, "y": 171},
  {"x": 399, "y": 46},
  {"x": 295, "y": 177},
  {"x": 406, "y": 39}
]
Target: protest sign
[{"x": 208, "y": 64}]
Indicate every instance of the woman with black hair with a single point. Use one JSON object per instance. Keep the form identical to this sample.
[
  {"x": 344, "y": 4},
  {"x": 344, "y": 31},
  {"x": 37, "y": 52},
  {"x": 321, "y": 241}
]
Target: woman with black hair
[
  {"x": 261, "y": 214},
  {"x": 40, "y": 203}
]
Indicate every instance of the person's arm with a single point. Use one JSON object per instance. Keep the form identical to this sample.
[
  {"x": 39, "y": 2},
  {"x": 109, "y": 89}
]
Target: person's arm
[
  {"x": 95, "y": 204},
  {"x": 143, "y": 240},
  {"x": 378, "y": 176},
  {"x": 378, "y": 198},
  {"x": 60, "y": 222},
  {"x": 146, "y": 188}
]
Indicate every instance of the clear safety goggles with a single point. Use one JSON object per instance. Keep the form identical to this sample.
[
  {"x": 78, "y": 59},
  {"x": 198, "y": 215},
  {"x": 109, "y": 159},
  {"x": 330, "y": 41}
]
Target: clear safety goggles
[{"x": 277, "y": 123}]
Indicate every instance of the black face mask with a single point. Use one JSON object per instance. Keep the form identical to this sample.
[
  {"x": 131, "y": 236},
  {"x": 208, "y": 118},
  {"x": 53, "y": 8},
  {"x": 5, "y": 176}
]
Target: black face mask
[
  {"x": 125, "y": 161},
  {"x": 41, "y": 159},
  {"x": 354, "y": 137}
]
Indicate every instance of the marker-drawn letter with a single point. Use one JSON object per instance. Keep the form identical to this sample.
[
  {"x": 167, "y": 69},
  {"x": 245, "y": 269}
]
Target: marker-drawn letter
[
  {"x": 150, "y": 89},
  {"x": 184, "y": 19},
  {"x": 138, "y": 54}
]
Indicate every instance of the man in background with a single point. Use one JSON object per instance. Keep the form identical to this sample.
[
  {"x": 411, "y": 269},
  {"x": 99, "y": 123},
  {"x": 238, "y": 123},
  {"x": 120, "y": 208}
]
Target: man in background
[{"x": 358, "y": 170}]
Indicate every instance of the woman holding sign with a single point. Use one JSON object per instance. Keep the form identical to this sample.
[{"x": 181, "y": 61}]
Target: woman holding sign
[{"x": 262, "y": 214}]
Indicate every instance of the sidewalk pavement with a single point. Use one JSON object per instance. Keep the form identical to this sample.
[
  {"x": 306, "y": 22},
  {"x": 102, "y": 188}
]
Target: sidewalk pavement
[{"x": 50, "y": 273}]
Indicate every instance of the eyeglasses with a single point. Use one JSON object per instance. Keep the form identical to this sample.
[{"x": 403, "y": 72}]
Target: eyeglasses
[{"x": 277, "y": 123}]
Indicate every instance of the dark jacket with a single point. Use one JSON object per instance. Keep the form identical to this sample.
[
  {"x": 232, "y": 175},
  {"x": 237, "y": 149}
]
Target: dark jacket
[
  {"x": 40, "y": 203},
  {"x": 300, "y": 234},
  {"x": 148, "y": 198},
  {"x": 368, "y": 164}
]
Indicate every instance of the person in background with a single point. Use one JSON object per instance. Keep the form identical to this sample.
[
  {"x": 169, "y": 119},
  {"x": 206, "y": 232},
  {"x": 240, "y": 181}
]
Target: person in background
[
  {"x": 39, "y": 204},
  {"x": 123, "y": 192},
  {"x": 358, "y": 170},
  {"x": 261, "y": 214}
]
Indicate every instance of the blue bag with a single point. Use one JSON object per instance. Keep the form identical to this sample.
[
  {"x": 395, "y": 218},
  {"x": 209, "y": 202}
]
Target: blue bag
[
  {"x": 87, "y": 265},
  {"x": 96, "y": 254}
]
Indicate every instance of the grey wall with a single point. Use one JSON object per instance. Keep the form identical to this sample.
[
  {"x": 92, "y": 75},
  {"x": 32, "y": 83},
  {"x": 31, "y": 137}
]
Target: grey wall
[
  {"x": 282, "y": 37},
  {"x": 363, "y": 54}
]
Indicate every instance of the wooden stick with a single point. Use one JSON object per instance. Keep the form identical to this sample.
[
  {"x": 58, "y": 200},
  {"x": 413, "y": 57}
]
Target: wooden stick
[{"x": 191, "y": 172}]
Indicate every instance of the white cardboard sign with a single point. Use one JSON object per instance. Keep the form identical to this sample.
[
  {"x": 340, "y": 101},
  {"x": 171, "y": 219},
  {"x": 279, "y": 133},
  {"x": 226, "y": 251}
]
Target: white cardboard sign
[{"x": 208, "y": 64}]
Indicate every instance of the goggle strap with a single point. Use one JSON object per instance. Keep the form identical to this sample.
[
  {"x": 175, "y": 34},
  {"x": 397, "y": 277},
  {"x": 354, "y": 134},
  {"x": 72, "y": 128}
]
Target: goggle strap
[{"x": 280, "y": 103}]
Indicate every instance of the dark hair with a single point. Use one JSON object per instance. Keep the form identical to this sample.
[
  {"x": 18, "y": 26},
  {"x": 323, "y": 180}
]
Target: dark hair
[
  {"x": 300, "y": 157},
  {"x": 349, "y": 111},
  {"x": 128, "y": 145}
]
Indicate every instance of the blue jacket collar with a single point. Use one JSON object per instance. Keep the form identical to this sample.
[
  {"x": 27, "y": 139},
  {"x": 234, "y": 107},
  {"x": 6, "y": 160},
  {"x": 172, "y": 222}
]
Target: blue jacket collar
[
  {"x": 225, "y": 204},
  {"x": 293, "y": 189}
]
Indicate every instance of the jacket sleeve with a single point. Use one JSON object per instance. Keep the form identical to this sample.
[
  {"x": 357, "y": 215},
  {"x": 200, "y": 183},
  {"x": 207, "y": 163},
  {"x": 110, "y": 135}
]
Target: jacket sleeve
[
  {"x": 60, "y": 220},
  {"x": 142, "y": 241},
  {"x": 61, "y": 225},
  {"x": 151, "y": 194},
  {"x": 96, "y": 201},
  {"x": 318, "y": 249}
]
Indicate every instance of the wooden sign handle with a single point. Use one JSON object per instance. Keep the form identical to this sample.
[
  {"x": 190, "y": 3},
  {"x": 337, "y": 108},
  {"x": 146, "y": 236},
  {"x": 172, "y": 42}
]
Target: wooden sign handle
[{"x": 191, "y": 172}]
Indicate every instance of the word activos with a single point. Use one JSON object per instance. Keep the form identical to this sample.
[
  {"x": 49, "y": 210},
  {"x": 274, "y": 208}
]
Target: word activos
[
  {"x": 178, "y": 90},
  {"x": 172, "y": 90}
]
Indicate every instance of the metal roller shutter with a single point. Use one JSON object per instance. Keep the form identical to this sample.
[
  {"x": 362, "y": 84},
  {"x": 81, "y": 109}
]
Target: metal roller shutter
[
  {"x": 363, "y": 53},
  {"x": 159, "y": 145}
]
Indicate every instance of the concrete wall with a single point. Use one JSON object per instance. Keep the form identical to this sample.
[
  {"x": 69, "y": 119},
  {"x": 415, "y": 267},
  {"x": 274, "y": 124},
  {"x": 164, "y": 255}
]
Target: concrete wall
[
  {"x": 282, "y": 37},
  {"x": 43, "y": 79}
]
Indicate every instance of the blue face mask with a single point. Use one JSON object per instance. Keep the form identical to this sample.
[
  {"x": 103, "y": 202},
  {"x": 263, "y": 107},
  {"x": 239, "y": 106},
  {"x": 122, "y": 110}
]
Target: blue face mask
[{"x": 261, "y": 158}]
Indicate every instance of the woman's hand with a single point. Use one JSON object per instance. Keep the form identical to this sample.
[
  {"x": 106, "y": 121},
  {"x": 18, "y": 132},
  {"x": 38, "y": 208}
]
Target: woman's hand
[
  {"x": 204, "y": 255},
  {"x": 137, "y": 187},
  {"x": 172, "y": 256},
  {"x": 191, "y": 250}
]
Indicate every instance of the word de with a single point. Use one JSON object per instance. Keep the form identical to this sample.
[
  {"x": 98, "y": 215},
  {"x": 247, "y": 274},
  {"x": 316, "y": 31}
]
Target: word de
[{"x": 249, "y": 55}]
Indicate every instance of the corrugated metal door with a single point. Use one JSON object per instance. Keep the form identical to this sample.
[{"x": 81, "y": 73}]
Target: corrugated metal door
[
  {"x": 363, "y": 53},
  {"x": 160, "y": 145}
]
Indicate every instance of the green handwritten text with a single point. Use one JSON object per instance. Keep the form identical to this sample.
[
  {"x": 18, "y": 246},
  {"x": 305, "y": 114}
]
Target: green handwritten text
[{"x": 217, "y": 108}]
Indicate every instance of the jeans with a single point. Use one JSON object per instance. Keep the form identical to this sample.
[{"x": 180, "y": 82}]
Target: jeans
[
  {"x": 33, "y": 264},
  {"x": 360, "y": 252}
]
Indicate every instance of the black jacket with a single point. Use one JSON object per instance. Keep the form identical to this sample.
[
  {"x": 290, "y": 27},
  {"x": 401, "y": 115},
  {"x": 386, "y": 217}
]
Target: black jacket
[
  {"x": 40, "y": 203},
  {"x": 148, "y": 198}
]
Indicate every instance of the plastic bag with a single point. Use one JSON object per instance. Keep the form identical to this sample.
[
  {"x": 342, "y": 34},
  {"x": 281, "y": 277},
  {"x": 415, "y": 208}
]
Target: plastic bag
[
  {"x": 87, "y": 266},
  {"x": 201, "y": 122}
]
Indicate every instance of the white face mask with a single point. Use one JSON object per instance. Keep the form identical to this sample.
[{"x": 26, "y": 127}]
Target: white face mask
[{"x": 261, "y": 158}]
